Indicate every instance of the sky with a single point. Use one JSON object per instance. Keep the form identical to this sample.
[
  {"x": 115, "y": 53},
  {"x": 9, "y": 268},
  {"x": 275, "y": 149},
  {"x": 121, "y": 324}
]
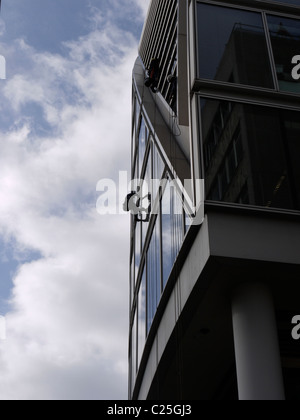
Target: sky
[{"x": 64, "y": 125}]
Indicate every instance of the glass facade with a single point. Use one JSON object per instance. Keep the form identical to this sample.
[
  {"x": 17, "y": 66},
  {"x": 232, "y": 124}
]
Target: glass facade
[
  {"x": 233, "y": 47},
  {"x": 172, "y": 229},
  {"x": 254, "y": 157},
  {"x": 156, "y": 241},
  {"x": 141, "y": 317},
  {"x": 285, "y": 37},
  {"x": 249, "y": 141},
  {"x": 249, "y": 150}
]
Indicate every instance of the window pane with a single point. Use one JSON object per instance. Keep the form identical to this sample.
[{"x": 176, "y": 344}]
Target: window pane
[
  {"x": 132, "y": 280},
  {"x": 285, "y": 36},
  {"x": 137, "y": 248},
  {"x": 142, "y": 318},
  {"x": 260, "y": 149},
  {"x": 137, "y": 111},
  {"x": 134, "y": 351},
  {"x": 172, "y": 229},
  {"x": 153, "y": 274},
  {"x": 168, "y": 259},
  {"x": 146, "y": 189},
  {"x": 158, "y": 169},
  {"x": 232, "y": 47},
  {"x": 142, "y": 143}
]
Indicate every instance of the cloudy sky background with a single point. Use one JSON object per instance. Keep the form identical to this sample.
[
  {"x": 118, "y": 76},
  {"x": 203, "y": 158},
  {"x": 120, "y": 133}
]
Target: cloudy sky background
[{"x": 64, "y": 125}]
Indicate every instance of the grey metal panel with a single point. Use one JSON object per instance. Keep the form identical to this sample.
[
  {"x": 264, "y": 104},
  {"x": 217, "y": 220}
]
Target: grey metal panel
[{"x": 254, "y": 238}]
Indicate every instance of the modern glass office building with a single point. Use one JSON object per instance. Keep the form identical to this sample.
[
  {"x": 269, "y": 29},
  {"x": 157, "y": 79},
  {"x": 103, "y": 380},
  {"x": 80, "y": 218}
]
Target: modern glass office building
[{"x": 215, "y": 267}]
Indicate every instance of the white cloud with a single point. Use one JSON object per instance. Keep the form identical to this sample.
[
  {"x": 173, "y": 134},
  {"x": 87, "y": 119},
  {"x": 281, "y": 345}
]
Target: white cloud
[{"x": 67, "y": 329}]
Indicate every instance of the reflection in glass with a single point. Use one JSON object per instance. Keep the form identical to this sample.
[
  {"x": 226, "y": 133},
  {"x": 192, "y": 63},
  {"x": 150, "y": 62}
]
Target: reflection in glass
[
  {"x": 158, "y": 170},
  {"x": 167, "y": 234},
  {"x": 134, "y": 350},
  {"x": 142, "y": 142},
  {"x": 232, "y": 46},
  {"x": 254, "y": 159},
  {"x": 285, "y": 37},
  {"x": 137, "y": 111},
  {"x": 146, "y": 188},
  {"x": 137, "y": 248},
  {"x": 132, "y": 279},
  {"x": 153, "y": 274},
  {"x": 142, "y": 317},
  {"x": 158, "y": 164},
  {"x": 172, "y": 229}
]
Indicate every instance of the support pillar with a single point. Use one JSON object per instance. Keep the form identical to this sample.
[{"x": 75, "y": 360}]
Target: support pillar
[{"x": 258, "y": 362}]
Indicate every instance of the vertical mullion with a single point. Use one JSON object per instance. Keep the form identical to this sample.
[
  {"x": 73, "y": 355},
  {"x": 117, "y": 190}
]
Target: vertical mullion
[{"x": 270, "y": 51}]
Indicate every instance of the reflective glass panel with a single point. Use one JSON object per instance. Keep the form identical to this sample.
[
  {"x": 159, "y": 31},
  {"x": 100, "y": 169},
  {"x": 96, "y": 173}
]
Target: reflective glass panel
[
  {"x": 172, "y": 228},
  {"x": 285, "y": 37},
  {"x": 232, "y": 46},
  {"x": 153, "y": 274},
  {"x": 132, "y": 279},
  {"x": 167, "y": 255},
  {"x": 137, "y": 248},
  {"x": 158, "y": 170},
  {"x": 146, "y": 189},
  {"x": 142, "y": 317},
  {"x": 134, "y": 350},
  {"x": 255, "y": 157},
  {"x": 142, "y": 143}
]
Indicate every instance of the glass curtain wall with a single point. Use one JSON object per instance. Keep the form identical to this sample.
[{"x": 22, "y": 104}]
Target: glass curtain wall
[
  {"x": 250, "y": 152},
  {"x": 156, "y": 242},
  {"x": 254, "y": 157},
  {"x": 285, "y": 37},
  {"x": 233, "y": 47}
]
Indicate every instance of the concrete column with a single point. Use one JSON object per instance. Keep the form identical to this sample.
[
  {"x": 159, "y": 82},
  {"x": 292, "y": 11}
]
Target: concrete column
[{"x": 258, "y": 363}]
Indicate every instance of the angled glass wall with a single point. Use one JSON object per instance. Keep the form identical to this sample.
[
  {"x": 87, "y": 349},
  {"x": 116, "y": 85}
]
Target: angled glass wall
[{"x": 155, "y": 241}]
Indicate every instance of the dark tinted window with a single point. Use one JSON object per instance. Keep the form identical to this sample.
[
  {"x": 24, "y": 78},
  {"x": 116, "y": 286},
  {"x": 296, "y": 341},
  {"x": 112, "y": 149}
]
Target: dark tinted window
[
  {"x": 285, "y": 37},
  {"x": 172, "y": 229},
  {"x": 142, "y": 317},
  {"x": 137, "y": 248},
  {"x": 232, "y": 46},
  {"x": 153, "y": 274},
  {"x": 255, "y": 158}
]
